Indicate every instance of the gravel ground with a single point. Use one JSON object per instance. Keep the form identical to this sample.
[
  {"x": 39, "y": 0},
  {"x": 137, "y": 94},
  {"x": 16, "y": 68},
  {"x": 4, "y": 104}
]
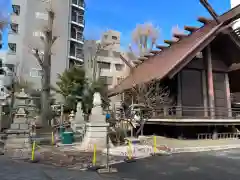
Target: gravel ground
[
  {"x": 59, "y": 157},
  {"x": 221, "y": 165}
]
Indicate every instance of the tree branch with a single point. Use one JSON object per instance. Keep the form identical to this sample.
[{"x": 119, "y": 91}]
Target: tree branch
[
  {"x": 37, "y": 56},
  {"x": 54, "y": 39},
  {"x": 126, "y": 62}
]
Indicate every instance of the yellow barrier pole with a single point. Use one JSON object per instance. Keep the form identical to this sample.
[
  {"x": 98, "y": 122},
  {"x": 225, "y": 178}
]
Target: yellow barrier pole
[
  {"x": 154, "y": 144},
  {"x": 129, "y": 150},
  {"x": 33, "y": 150},
  {"x": 53, "y": 141},
  {"x": 94, "y": 155}
]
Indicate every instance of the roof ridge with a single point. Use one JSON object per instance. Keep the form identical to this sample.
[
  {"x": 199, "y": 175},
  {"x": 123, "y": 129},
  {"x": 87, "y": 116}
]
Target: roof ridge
[
  {"x": 191, "y": 29},
  {"x": 189, "y": 43}
]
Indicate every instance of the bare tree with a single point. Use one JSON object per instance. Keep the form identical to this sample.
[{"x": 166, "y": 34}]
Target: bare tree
[
  {"x": 45, "y": 63},
  {"x": 144, "y": 36},
  {"x": 151, "y": 95}
]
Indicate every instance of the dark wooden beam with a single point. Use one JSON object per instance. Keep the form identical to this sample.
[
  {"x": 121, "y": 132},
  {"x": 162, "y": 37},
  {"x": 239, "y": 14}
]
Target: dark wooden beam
[
  {"x": 142, "y": 58},
  {"x": 126, "y": 61},
  {"x": 204, "y": 20},
  {"x": 170, "y": 42},
  {"x": 179, "y": 35},
  {"x": 162, "y": 47},
  {"x": 210, "y": 10},
  {"x": 155, "y": 52},
  {"x": 148, "y": 55},
  {"x": 191, "y": 28},
  {"x": 137, "y": 62}
]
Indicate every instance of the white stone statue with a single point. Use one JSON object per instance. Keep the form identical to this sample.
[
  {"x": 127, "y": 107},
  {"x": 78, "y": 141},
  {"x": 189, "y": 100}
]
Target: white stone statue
[
  {"x": 97, "y": 101},
  {"x": 72, "y": 116},
  {"x": 97, "y": 115},
  {"x": 79, "y": 114},
  {"x": 77, "y": 124}
]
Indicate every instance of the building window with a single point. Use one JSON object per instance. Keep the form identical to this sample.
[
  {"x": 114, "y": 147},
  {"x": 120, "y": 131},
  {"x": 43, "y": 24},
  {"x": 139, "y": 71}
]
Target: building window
[
  {"x": 103, "y": 53},
  {"x": 116, "y": 54},
  {"x": 43, "y": 16},
  {"x": 77, "y": 17},
  {"x": 14, "y": 28},
  {"x": 16, "y": 9},
  {"x": 104, "y": 65},
  {"x": 36, "y": 73},
  {"x": 105, "y": 36},
  {"x": 114, "y": 37},
  {"x": 76, "y": 34},
  {"x": 38, "y": 34},
  {"x": 107, "y": 80},
  {"x": 119, "y": 80},
  {"x": 75, "y": 2},
  {"x": 119, "y": 67},
  {"x": 79, "y": 53},
  {"x": 12, "y": 47}
]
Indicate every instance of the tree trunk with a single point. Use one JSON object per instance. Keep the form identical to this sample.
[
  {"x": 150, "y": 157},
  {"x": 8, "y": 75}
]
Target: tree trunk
[
  {"x": 46, "y": 70},
  {"x": 45, "y": 104}
]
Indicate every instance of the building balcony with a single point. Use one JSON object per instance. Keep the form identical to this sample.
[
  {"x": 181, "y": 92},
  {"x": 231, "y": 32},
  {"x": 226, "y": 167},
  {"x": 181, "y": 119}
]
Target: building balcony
[
  {"x": 76, "y": 56},
  {"x": 78, "y": 4},
  {"x": 78, "y": 38},
  {"x": 79, "y": 21}
]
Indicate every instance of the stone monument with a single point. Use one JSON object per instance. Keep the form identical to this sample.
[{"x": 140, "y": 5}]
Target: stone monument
[
  {"x": 96, "y": 129},
  {"x": 18, "y": 134},
  {"x": 78, "y": 123}
]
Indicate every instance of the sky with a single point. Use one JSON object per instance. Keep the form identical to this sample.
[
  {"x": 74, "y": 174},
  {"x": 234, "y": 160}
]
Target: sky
[{"x": 124, "y": 15}]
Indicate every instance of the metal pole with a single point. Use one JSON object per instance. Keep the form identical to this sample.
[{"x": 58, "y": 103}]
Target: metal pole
[
  {"x": 107, "y": 149},
  {"x": 61, "y": 123}
]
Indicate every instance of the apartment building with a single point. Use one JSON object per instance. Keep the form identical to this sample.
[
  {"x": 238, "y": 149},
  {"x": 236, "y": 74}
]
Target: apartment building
[
  {"x": 111, "y": 68},
  {"x": 28, "y": 20}
]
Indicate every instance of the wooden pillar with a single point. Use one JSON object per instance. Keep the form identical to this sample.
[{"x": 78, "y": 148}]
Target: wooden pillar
[
  {"x": 208, "y": 56},
  {"x": 179, "y": 95},
  {"x": 228, "y": 95},
  {"x": 205, "y": 94}
]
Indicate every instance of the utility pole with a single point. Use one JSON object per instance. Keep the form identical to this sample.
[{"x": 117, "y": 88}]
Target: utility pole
[{"x": 45, "y": 64}]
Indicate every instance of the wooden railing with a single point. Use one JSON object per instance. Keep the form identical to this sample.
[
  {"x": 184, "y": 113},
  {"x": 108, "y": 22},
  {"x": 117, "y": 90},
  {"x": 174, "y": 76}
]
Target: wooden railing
[
  {"x": 190, "y": 112},
  {"x": 218, "y": 136}
]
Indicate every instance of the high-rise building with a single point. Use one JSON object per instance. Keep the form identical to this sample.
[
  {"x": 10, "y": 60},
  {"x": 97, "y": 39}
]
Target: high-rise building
[{"x": 28, "y": 20}]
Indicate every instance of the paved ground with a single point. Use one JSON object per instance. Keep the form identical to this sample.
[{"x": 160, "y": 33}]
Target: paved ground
[{"x": 222, "y": 165}]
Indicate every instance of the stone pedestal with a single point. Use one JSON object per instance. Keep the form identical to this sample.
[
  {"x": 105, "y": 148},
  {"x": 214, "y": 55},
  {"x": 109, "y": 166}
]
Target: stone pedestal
[
  {"x": 18, "y": 136},
  {"x": 97, "y": 129},
  {"x": 96, "y": 133}
]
